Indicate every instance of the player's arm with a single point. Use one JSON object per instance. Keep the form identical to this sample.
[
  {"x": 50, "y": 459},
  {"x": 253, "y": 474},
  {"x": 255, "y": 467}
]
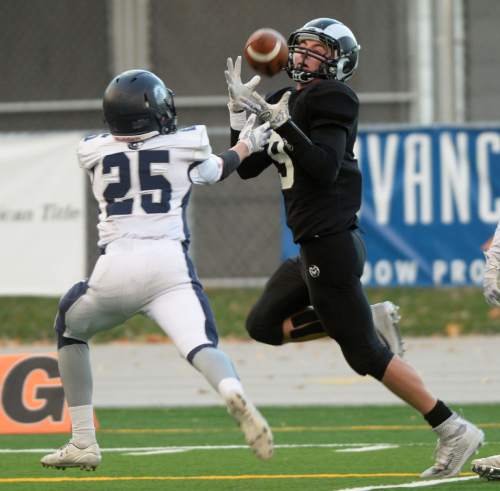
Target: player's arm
[
  {"x": 253, "y": 165},
  {"x": 321, "y": 155},
  {"x": 251, "y": 139},
  {"x": 491, "y": 279},
  {"x": 330, "y": 112},
  {"x": 258, "y": 161}
]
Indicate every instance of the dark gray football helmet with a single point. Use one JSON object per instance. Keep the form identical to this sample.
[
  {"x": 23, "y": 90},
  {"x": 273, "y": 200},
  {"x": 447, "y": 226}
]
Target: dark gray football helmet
[
  {"x": 137, "y": 102},
  {"x": 336, "y": 36}
]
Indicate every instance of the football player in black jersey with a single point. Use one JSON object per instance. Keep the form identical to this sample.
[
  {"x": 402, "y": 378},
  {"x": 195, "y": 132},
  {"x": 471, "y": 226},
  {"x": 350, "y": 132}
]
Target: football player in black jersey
[{"x": 315, "y": 128}]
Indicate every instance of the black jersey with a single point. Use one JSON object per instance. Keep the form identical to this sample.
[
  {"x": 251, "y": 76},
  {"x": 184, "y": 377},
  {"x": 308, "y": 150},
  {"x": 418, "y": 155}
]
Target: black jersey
[{"x": 321, "y": 182}]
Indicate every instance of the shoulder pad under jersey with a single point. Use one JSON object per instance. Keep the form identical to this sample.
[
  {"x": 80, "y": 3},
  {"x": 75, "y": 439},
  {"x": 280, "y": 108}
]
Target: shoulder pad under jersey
[
  {"x": 90, "y": 149},
  {"x": 192, "y": 138},
  {"x": 331, "y": 102}
]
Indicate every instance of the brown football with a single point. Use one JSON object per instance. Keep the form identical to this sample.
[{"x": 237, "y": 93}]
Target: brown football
[{"x": 266, "y": 51}]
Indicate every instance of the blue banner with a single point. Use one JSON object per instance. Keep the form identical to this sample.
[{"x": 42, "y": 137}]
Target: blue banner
[{"x": 431, "y": 202}]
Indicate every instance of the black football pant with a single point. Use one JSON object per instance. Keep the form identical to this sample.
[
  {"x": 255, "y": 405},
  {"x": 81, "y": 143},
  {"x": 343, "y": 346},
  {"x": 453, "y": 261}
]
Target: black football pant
[{"x": 327, "y": 275}]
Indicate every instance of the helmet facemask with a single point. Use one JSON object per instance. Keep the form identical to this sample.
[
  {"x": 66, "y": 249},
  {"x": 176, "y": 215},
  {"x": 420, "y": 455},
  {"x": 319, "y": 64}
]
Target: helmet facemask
[
  {"x": 164, "y": 111},
  {"x": 327, "y": 67}
]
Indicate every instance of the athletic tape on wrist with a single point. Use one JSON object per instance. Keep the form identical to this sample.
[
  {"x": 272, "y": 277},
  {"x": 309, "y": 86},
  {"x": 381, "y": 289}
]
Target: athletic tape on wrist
[{"x": 237, "y": 120}]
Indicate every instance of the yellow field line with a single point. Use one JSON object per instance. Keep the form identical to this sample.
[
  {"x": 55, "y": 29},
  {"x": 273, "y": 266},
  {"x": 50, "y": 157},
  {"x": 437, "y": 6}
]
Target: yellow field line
[
  {"x": 202, "y": 478},
  {"x": 285, "y": 429},
  {"x": 211, "y": 478}
]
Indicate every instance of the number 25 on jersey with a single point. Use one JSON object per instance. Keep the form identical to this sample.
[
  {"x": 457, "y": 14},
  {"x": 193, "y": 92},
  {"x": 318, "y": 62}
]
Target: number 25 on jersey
[{"x": 115, "y": 193}]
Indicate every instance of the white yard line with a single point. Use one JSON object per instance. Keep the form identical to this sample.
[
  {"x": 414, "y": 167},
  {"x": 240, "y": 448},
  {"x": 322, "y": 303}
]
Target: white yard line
[
  {"x": 414, "y": 484},
  {"x": 370, "y": 448},
  {"x": 343, "y": 447},
  {"x": 350, "y": 448}
]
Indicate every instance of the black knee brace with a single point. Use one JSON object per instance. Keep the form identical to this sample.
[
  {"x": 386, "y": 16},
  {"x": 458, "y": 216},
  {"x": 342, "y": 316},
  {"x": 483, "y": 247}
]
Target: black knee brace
[
  {"x": 371, "y": 359},
  {"x": 306, "y": 323}
]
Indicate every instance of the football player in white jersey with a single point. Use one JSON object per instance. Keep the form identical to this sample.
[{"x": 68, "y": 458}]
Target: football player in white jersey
[
  {"x": 141, "y": 175},
  {"x": 489, "y": 467}
]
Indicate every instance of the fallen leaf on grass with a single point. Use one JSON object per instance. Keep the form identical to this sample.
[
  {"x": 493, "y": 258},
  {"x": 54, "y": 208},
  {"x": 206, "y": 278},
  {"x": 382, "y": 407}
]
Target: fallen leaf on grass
[{"x": 453, "y": 330}]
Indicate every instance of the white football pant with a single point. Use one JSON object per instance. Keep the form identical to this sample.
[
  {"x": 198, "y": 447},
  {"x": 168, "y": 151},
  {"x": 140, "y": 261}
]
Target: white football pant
[{"x": 153, "y": 277}]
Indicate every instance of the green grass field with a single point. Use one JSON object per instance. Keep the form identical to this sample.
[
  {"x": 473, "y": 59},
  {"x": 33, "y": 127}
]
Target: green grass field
[
  {"x": 317, "y": 448},
  {"x": 425, "y": 311}
]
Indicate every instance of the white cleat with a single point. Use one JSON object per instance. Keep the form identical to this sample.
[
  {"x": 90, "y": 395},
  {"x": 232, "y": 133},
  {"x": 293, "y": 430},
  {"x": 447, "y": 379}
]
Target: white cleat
[
  {"x": 69, "y": 455},
  {"x": 458, "y": 440},
  {"x": 257, "y": 433},
  {"x": 487, "y": 467},
  {"x": 386, "y": 318}
]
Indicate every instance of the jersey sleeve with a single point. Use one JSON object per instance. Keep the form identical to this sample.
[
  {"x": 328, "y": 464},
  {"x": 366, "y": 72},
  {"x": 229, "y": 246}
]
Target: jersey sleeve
[
  {"x": 87, "y": 153},
  {"x": 204, "y": 150},
  {"x": 193, "y": 140},
  {"x": 208, "y": 171}
]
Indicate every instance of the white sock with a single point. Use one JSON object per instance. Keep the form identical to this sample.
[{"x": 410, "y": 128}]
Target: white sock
[
  {"x": 82, "y": 423},
  {"x": 229, "y": 386}
]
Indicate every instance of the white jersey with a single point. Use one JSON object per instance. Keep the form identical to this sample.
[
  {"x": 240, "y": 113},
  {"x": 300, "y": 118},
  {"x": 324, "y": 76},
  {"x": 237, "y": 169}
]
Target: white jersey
[{"x": 143, "y": 187}]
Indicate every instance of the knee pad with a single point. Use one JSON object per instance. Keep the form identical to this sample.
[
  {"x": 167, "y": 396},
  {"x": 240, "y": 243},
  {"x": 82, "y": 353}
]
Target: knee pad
[
  {"x": 73, "y": 294},
  {"x": 63, "y": 341},
  {"x": 267, "y": 332},
  {"x": 369, "y": 360}
]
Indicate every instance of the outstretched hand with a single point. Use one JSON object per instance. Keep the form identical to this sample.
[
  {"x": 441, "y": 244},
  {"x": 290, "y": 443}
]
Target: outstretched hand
[
  {"x": 253, "y": 136},
  {"x": 236, "y": 87},
  {"x": 276, "y": 114}
]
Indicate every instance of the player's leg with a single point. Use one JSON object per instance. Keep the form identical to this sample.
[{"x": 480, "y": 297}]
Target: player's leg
[
  {"x": 186, "y": 317},
  {"x": 281, "y": 313},
  {"x": 219, "y": 371},
  {"x": 306, "y": 326},
  {"x": 337, "y": 295},
  {"x": 76, "y": 375},
  {"x": 80, "y": 314}
]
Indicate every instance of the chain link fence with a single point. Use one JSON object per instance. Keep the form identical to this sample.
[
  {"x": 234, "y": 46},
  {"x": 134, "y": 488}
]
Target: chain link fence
[{"x": 58, "y": 56}]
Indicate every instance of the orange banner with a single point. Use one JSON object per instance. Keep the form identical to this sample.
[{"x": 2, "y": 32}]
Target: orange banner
[{"x": 32, "y": 397}]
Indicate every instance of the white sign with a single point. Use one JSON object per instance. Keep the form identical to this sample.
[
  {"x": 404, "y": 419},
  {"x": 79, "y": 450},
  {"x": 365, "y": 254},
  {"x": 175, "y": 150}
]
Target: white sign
[{"x": 42, "y": 213}]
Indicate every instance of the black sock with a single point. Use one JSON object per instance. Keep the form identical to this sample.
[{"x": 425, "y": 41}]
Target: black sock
[{"x": 438, "y": 414}]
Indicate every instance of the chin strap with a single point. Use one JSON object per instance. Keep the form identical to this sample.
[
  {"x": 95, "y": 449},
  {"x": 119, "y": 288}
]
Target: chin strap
[{"x": 301, "y": 77}]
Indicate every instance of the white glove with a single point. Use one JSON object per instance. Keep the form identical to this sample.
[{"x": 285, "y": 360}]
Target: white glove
[
  {"x": 277, "y": 114},
  {"x": 236, "y": 87},
  {"x": 491, "y": 289},
  {"x": 253, "y": 136}
]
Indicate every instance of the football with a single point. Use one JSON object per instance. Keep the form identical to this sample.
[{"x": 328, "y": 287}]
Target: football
[{"x": 266, "y": 51}]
